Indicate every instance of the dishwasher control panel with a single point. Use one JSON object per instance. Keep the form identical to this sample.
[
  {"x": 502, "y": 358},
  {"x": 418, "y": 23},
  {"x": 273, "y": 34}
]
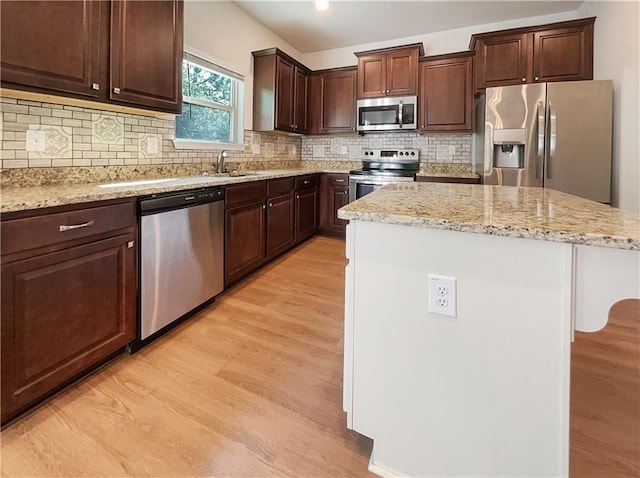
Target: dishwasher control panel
[{"x": 177, "y": 200}]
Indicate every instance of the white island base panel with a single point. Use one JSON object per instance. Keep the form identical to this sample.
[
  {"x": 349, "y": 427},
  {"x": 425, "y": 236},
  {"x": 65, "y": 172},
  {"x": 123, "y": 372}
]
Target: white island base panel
[{"x": 483, "y": 394}]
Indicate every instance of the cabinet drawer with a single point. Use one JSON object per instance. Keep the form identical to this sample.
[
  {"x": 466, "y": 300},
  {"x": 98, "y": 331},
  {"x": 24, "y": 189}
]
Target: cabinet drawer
[
  {"x": 244, "y": 193},
  {"x": 278, "y": 187},
  {"x": 32, "y": 232},
  {"x": 306, "y": 182},
  {"x": 338, "y": 179}
]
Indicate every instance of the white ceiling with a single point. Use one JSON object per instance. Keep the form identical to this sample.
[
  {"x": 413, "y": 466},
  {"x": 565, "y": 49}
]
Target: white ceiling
[{"x": 347, "y": 23}]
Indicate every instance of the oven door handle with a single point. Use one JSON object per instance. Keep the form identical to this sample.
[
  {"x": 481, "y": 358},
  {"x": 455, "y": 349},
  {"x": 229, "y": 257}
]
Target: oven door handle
[{"x": 400, "y": 113}]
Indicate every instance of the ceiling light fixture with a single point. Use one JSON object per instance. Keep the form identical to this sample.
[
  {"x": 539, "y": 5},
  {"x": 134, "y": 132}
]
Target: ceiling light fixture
[{"x": 322, "y": 4}]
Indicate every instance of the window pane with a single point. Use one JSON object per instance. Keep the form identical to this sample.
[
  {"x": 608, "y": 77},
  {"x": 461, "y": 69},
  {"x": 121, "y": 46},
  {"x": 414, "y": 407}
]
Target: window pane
[
  {"x": 203, "y": 83},
  {"x": 202, "y": 123}
]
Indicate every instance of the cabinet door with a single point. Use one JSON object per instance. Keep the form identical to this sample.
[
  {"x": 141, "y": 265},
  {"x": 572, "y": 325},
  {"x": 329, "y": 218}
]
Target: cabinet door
[
  {"x": 300, "y": 103},
  {"x": 285, "y": 87},
  {"x": 84, "y": 310},
  {"x": 306, "y": 213},
  {"x": 337, "y": 103},
  {"x": 280, "y": 224},
  {"x": 446, "y": 95},
  {"x": 402, "y": 72},
  {"x": 372, "y": 76},
  {"x": 244, "y": 240},
  {"x": 564, "y": 54},
  {"x": 334, "y": 193},
  {"x": 51, "y": 45},
  {"x": 503, "y": 60},
  {"x": 146, "y": 53}
]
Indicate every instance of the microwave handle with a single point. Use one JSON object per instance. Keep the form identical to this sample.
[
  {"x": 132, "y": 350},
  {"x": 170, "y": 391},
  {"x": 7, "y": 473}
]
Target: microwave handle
[{"x": 400, "y": 113}]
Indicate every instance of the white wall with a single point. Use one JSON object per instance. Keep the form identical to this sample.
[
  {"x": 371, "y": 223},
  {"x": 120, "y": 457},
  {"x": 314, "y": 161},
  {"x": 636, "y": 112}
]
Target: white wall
[
  {"x": 434, "y": 43},
  {"x": 616, "y": 56},
  {"x": 225, "y": 34}
]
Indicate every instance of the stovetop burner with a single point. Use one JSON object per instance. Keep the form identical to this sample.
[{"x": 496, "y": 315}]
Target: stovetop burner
[{"x": 391, "y": 163}]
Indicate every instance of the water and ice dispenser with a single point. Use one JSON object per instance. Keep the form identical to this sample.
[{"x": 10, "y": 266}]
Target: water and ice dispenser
[{"x": 509, "y": 148}]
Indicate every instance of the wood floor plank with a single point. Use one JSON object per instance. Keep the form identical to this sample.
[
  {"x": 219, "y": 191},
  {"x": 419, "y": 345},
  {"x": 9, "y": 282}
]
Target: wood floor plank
[{"x": 252, "y": 387}]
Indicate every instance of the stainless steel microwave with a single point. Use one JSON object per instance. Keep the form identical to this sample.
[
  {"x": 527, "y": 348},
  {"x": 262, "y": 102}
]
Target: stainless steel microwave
[{"x": 388, "y": 114}]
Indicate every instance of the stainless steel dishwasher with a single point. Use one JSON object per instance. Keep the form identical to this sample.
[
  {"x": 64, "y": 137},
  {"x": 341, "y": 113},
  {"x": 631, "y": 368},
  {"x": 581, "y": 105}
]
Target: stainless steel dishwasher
[{"x": 181, "y": 255}]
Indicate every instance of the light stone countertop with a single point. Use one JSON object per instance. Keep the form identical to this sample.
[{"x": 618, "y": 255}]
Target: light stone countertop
[
  {"x": 531, "y": 213},
  {"x": 37, "y": 197}
]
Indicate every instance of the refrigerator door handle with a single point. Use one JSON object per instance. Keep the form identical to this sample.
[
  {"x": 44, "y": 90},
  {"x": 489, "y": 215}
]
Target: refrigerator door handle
[
  {"x": 540, "y": 143},
  {"x": 552, "y": 139},
  {"x": 400, "y": 113}
]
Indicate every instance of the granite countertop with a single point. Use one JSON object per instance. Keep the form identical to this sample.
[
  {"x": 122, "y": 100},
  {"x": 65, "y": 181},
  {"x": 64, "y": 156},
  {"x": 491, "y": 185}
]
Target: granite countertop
[
  {"x": 531, "y": 213},
  {"x": 36, "y": 197}
]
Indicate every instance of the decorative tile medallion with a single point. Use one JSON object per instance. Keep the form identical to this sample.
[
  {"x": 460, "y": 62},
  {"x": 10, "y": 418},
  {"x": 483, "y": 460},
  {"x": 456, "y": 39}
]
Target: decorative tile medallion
[
  {"x": 58, "y": 142},
  {"x": 149, "y": 146},
  {"x": 107, "y": 129}
]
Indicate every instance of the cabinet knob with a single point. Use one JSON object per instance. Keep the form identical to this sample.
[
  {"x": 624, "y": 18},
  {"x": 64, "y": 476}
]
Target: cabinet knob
[
  {"x": 116, "y": 91},
  {"x": 297, "y": 196},
  {"x": 130, "y": 244},
  {"x": 536, "y": 78},
  {"x": 524, "y": 79},
  {"x": 422, "y": 126},
  {"x": 264, "y": 207},
  {"x": 95, "y": 86},
  {"x": 270, "y": 204},
  {"x": 346, "y": 192}
]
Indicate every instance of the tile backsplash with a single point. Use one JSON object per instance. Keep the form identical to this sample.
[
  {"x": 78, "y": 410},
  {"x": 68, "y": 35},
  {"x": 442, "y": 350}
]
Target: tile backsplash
[
  {"x": 62, "y": 136},
  {"x": 48, "y": 135},
  {"x": 434, "y": 148}
]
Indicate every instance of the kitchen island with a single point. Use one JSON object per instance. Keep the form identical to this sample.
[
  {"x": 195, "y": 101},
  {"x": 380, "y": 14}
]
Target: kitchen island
[{"x": 484, "y": 393}]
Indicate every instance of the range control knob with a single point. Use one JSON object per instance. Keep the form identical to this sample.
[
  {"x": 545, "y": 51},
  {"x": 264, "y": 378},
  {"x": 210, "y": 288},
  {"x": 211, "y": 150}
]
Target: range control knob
[
  {"x": 413, "y": 153},
  {"x": 401, "y": 153}
]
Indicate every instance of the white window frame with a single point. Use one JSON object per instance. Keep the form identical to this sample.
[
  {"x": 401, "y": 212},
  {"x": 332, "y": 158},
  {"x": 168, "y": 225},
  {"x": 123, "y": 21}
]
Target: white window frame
[{"x": 236, "y": 108}]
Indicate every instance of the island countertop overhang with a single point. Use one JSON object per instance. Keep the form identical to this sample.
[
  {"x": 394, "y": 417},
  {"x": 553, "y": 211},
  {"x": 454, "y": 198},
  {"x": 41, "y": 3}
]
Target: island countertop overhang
[{"x": 520, "y": 212}]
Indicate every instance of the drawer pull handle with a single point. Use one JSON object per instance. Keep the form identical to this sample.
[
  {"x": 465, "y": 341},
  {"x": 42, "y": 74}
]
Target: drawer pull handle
[
  {"x": 307, "y": 182},
  {"x": 339, "y": 180},
  {"x": 76, "y": 226}
]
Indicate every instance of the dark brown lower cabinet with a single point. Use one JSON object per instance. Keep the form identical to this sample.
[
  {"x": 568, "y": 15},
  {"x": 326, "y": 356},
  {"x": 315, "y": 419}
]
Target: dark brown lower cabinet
[
  {"x": 334, "y": 193},
  {"x": 306, "y": 213},
  {"x": 245, "y": 235},
  {"x": 280, "y": 224},
  {"x": 65, "y": 308}
]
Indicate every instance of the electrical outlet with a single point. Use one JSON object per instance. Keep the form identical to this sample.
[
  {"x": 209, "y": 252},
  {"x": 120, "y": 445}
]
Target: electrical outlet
[{"x": 442, "y": 295}]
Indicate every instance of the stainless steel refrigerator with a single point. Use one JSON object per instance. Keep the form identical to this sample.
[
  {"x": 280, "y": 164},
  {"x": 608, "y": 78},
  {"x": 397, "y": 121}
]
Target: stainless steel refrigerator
[{"x": 555, "y": 135}]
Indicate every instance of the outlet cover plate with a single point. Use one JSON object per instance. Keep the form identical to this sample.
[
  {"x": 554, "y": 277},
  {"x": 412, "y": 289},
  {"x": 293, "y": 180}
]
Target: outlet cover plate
[{"x": 442, "y": 295}]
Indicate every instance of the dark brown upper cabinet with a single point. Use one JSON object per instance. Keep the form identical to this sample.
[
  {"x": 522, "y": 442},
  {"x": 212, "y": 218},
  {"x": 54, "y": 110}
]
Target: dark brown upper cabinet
[
  {"x": 389, "y": 71},
  {"x": 146, "y": 54},
  {"x": 332, "y": 101},
  {"x": 52, "y": 46},
  {"x": 552, "y": 52},
  {"x": 279, "y": 92},
  {"x": 446, "y": 93},
  {"x": 124, "y": 52}
]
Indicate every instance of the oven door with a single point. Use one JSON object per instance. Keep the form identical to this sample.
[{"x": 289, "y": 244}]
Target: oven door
[{"x": 362, "y": 185}]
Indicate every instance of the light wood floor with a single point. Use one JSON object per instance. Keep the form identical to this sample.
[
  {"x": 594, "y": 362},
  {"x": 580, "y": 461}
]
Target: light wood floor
[{"x": 252, "y": 387}]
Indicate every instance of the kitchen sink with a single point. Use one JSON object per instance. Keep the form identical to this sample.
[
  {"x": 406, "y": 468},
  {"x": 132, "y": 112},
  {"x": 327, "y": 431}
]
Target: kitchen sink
[{"x": 140, "y": 182}]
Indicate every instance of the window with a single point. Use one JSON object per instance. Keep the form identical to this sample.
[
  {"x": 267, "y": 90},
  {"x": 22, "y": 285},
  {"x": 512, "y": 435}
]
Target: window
[{"x": 211, "y": 106}]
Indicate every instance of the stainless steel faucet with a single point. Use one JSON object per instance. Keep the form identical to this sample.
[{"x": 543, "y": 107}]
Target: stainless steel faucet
[{"x": 222, "y": 155}]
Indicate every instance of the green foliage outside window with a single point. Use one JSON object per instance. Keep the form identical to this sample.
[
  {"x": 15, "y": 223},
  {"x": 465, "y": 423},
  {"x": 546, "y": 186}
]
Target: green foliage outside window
[{"x": 208, "y": 105}]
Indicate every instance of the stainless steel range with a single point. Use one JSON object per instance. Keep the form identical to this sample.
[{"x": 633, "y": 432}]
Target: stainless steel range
[{"x": 381, "y": 167}]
